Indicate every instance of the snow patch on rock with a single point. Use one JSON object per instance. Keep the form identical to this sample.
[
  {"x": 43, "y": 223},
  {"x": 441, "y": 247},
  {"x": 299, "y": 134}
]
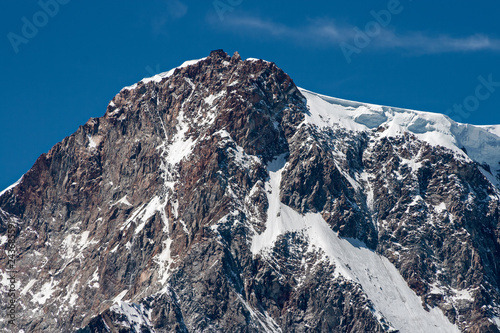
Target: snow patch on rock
[
  {"x": 379, "y": 279},
  {"x": 158, "y": 77},
  {"x": 11, "y": 187},
  {"x": 45, "y": 292},
  {"x": 136, "y": 316}
]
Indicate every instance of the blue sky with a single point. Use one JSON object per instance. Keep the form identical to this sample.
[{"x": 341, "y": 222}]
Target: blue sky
[{"x": 64, "y": 60}]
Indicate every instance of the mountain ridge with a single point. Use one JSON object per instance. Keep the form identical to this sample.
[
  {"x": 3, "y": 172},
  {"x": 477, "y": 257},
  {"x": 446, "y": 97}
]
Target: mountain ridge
[
  {"x": 490, "y": 128},
  {"x": 219, "y": 196}
]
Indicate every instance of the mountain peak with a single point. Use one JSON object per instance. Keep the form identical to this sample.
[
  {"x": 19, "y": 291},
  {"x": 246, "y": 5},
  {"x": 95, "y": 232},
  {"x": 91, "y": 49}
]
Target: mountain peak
[
  {"x": 219, "y": 196},
  {"x": 220, "y": 53}
]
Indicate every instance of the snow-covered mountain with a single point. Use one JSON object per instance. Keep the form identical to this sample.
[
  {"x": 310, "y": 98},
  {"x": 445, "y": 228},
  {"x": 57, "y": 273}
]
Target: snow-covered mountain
[
  {"x": 220, "y": 197},
  {"x": 473, "y": 143}
]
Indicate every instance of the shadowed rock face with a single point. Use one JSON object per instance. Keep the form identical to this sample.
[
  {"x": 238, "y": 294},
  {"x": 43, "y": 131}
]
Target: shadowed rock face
[{"x": 143, "y": 219}]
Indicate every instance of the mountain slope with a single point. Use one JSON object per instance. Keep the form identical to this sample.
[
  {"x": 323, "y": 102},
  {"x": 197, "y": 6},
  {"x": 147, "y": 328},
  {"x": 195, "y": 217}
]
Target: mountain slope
[
  {"x": 474, "y": 143},
  {"x": 218, "y": 196}
]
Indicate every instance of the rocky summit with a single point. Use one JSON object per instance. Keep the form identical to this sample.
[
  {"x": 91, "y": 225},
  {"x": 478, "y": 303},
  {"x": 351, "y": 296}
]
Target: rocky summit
[{"x": 220, "y": 197}]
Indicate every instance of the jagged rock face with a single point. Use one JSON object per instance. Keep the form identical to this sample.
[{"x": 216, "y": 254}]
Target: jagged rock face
[{"x": 164, "y": 215}]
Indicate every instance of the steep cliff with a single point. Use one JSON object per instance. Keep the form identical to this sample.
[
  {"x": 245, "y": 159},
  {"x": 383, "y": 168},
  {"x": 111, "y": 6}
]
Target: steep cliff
[{"x": 219, "y": 197}]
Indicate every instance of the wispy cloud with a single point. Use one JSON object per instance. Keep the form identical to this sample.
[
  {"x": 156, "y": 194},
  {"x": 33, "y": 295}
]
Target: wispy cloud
[
  {"x": 326, "y": 32},
  {"x": 319, "y": 31},
  {"x": 176, "y": 8},
  {"x": 171, "y": 10},
  {"x": 425, "y": 43}
]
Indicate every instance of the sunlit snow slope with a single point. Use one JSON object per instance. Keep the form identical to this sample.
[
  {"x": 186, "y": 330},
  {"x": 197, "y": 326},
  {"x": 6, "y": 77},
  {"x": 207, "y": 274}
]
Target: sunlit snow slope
[
  {"x": 392, "y": 298},
  {"x": 480, "y": 144}
]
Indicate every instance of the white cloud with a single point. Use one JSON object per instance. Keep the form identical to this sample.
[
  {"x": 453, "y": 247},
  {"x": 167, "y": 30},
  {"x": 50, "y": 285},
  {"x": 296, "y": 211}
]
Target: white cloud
[
  {"x": 176, "y": 8},
  {"x": 172, "y": 10},
  {"x": 329, "y": 33},
  {"x": 438, "y": 43},
  {"x": 318, "y": 30}
]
